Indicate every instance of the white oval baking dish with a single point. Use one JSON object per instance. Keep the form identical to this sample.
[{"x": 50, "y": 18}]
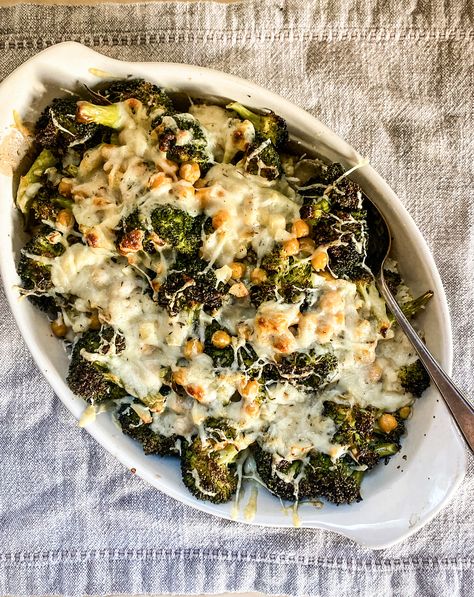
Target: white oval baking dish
[{"x": 398, "y": 498}]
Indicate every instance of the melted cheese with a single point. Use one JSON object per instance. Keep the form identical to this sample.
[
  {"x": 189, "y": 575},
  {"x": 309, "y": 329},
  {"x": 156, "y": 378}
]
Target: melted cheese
[
  {"x": 112, "y": 181},
  {"x": 251, "y": 205}
]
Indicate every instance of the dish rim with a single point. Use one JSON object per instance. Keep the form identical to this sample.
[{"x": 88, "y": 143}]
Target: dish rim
[{"x": 83, "y": 54}]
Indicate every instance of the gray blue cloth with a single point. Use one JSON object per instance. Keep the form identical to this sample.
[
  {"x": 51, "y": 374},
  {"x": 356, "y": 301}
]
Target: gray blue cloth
[{"x": 393, "y": 78}]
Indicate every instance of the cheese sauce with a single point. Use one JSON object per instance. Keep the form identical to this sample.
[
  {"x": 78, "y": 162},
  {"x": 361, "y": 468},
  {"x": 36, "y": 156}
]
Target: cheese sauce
[{"x": 112, "y": 181}]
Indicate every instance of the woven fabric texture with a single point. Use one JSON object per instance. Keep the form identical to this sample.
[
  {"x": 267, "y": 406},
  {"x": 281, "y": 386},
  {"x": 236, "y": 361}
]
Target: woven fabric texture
[{"x": 396, "y": 80}]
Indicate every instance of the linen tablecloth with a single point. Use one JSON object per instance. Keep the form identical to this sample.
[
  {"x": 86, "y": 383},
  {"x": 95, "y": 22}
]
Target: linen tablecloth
[{"x": 393, "y": 78}]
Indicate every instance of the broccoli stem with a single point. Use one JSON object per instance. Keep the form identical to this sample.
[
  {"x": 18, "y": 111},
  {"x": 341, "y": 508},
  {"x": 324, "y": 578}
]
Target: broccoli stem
[
  {"x": 386, "y": 449},
  {"x": 412, "y": 307},
  {"x": 112, "y": 116},
  {"x": 245, "y": 113},
  {"x": 25, "y": 193}
]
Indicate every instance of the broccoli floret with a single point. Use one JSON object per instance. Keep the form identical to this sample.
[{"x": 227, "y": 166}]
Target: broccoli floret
[
  {"x": 347, "y": 256},
  {"x": 90, "y": 379},
  {"x": 337, "y": 481},
  {"x": 24, "y": 196},
  {"x": 414, "y": 378},
  {"x": 152, "y": 443},
  {"x": 269, "y": 125},
  {"x": 261, "y": 293},
  {"x": 221, "y": 357},
  {"x": 304, "y": 369},
  {"x": 35, "y": 273},
  {"x": 357, "y": 428},
  {"x": 182, "y": 291},
  {"x": 285, "y": 479},
  {"x": 289, "y": 276},
  {"x": 342, "y": 193},
  {"x": 262, "y": 159},
  {"x": 178, "y": 228},
  {"x": 346, "y": 233},
  {"x": 209, "y": 472},
  {"x": 332, "y": 186},
  {"x": 46, "y": 205},
  {"x": 153, "y": 97},
  {"x": 313, "y": 211},
  {"x": 183, "y": 139},
  {"x": 58, "y": 129},
  {"x": 133, "y": 235},
  {"x": 244, "y": 356},
  {"x": 345, "y": 261}
]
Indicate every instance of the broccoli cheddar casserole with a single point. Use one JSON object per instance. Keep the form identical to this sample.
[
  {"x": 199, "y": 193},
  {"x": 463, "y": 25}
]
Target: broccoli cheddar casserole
[{"x": 211, "y": 288}]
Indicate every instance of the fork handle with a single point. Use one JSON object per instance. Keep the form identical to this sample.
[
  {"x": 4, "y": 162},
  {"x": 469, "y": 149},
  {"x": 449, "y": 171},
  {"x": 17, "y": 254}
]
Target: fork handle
[{"x": 461, "y": 409}]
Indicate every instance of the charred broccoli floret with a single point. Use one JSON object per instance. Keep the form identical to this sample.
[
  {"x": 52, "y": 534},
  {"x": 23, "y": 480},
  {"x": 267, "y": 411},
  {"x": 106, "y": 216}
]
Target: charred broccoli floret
[
  {"x": 261, "y": 293},
  {"x": 178, "y": 228},
  {"x": 304, "y": 369},
  {"x": 113, "y": 116},
  {"x": 262, "y": 159},
  {"x": 269, "y": 125},
  {"x": 88, "y": 378},
  {"x": 332, "y": 189},
  {"x": 313, "y": 212},
  {"x": 336, "y": 481},
  {"x": 133, "y": 235},
  {"x": 357, "y": 428},
  {"x": 34, "y": 266},
  {"x": 285, "y": 479},
  {"x": 345, "y": 261},
  {"x": 347, "y": 256},
  {"x": 208, "y": 471},
  {"x": 289, "y": 276},
  {"x": 183, "y": 139},
  {"x": 342, "y": 193},
  {"x": 155, "y": 99},
  {"x": 57, "y": 128},
  {"x": 152, "y": 442},
  {"x": 183, "y": 291},
  {"x": 346, "y": 235},
  {"x": 46, "y": 205},
  {"x": 414, "y": 378}
]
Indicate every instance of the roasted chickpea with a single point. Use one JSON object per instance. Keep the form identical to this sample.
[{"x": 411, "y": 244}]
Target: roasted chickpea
[
  {"x": 300, "y": 228},
  {"x": 59, "y": 328},
  {"x": 258, "y": 275},
  {"x": 319, "y": 260},
  {"x": 65, "y": 187},
  {"x": 238, "y": 270},
  {"x": 291, "y": 247},
  {"x": 387, "y": 423},
  {"x": 220, "y": 218},
  {"x": 65, "y": 218},
  {"x": 220, "y": 339},
  {"x": 190, "y": 172},
  {"x": 239, "y": 290},
  {"x": 405, "y": 412}
]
